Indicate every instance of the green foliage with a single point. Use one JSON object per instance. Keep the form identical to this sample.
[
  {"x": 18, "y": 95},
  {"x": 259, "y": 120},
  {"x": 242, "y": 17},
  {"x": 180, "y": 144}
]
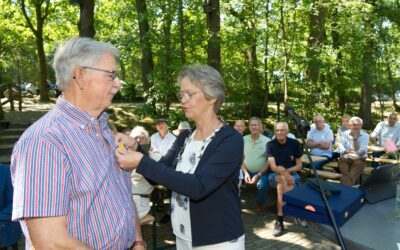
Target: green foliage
[{"x": 278, "y": 31}]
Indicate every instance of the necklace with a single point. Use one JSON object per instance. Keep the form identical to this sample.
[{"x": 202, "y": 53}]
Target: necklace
[{"x": 205, "y": 141}]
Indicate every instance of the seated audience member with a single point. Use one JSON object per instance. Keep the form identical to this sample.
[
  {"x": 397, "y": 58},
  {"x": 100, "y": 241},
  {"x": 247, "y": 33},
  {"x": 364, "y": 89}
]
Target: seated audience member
[
  {"x": 255, "y": 164},
  {"x": 344, "y": 127},
  {"x": 385, "y": 130},
  {"x": 10, "y": 231},
  {"x": 161, "y": 141},
  {"x": 240, "y": 126},
  {"x": 319, "y": 140},
  {"x": 353, "y": 149},
  {"x": 284, "y": 158},
  {"x": 160, "y": 144},
  {"x": 141, "y": 135},
  {"x": 141, "y": 188},
  {"x": 184, "y": 125}
]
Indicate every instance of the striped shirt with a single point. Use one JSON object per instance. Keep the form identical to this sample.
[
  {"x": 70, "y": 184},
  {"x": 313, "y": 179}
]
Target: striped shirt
[{"x": 64, "y": 165}]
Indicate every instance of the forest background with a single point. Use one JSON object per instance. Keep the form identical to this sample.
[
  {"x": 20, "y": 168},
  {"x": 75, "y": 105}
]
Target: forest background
[{"x": 318, "y": 56}]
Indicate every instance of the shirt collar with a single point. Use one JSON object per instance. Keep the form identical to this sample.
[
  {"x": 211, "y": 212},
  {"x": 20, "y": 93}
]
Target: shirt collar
[{"x": 78, "y": 116}]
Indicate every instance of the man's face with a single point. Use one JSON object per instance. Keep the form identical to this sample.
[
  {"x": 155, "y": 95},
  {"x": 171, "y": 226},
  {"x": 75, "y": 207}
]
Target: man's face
[
  {"x": 355, "y": 127},
  {"x": 98, "y": 87},
  {"x": 392, "y": 120},
  {"x": 281, "y": 132},
  {"x": 319, "y": 122},
  {"x": 239, "y": 126},
  {"x": 162, "y": 127},
  {"x": 255, "y": 127}
]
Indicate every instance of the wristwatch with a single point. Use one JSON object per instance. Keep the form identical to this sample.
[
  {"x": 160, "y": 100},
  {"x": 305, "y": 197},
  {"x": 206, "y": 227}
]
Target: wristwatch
[{"x": 259, "y": 175}]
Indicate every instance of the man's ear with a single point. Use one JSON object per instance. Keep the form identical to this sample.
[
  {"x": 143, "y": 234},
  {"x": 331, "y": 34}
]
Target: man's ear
[{"x": 78, "y": 75}]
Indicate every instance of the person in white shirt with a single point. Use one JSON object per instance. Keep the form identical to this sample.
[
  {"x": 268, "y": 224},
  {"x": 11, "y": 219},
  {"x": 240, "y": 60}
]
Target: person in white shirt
[
  {"x": 319, "y": 140},
  {"x": 385, "y": 130},
  {"x": 161, "y": 141},
  {"x": 353, "y": 149}
]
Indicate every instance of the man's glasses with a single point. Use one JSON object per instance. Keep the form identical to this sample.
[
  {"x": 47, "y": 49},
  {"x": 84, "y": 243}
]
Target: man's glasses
[
  {"x": 186, "y": 95},
  {"x": 114, "y": 74}
]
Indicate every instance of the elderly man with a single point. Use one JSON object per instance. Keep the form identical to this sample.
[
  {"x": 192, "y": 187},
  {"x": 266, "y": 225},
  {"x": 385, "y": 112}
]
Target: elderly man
[
  {"x": 284, "y": 158},
  {"x": 385, "y": 130},
  {"x": 255, "y": 164},
  {"x": 319, "y": 140},
  {"x": 353, "y": 149},
  {"x": 69, "y": 190},
  {"x": 161, "y": 141},
  {"x": 240, "y": 126}
]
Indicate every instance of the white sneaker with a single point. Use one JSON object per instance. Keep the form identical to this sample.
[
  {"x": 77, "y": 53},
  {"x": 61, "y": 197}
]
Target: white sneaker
[{"x": 302, "y": 223}]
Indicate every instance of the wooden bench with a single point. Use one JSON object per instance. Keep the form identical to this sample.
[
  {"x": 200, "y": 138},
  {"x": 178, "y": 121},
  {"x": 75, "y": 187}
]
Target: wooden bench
[
  {"x": 382, "y": 160},
  {"x": 323, "y": 174}
]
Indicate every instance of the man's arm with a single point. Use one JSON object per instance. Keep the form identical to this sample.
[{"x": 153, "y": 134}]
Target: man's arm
[
  {"x": 311, "y": 144},
  {"x": 246, "y": 175},
  {"x": 51, "y": 233},
  {"x": 297, "y": 167},
  {"x": 377, "y": 131},
  {"x": 274, "y": 167}
]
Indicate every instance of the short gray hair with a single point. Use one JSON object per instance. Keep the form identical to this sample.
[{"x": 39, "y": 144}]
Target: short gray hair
[
  {"x": 255, "y": 119},
  {"x": 285, "y": 124},
  {"x": 356, "y": 119},
  {"x": 77, "y": 51},
  {"x": 208, "y": 79}
]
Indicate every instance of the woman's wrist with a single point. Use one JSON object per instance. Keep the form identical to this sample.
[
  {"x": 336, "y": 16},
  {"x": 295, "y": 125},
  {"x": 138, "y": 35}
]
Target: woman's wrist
[{"x": 139, "y": 243}]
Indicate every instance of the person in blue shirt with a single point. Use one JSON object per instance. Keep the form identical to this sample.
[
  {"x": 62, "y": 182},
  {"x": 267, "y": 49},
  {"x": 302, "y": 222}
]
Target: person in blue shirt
[{"x": 10, "y": 232}]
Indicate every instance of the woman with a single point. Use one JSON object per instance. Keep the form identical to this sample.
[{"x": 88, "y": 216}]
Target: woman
[{"x": 201, "y": 169}]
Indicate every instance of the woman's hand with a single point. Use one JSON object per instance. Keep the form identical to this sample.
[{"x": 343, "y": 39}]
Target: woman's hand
[
  {"x": 128, "y": 159},
  {"x": 128, "y": 141}
]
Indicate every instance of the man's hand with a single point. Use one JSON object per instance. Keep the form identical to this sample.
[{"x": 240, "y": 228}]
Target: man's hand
[
  {"x": 128, "y": 141},
  {"x": 247, "y": 178},
  {"x": 128, "y": 159},
  {"x": 289, "y": 178},
  {"x": 254, "y": 179}
]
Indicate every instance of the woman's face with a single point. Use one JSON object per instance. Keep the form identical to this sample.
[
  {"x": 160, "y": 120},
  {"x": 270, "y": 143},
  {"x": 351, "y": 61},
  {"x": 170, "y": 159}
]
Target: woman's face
[{"x": 194, "y": 103}]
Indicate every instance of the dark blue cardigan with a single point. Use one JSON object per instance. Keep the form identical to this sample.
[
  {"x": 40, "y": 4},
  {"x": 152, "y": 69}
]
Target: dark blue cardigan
[{"x": 212, "y": 188}]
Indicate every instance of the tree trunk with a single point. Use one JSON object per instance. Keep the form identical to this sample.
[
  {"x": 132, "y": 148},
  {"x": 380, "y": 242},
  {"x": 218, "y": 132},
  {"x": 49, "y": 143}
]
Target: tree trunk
[
  {"x": 147, "y": 53},
  {"x": 265, "y": 111},
  {"x": 315, "y": 40},
  {"x": 213, "y": 25},
  {"x": 368, "y": 68},
  {"x": 86, "y": 19},
  {"x": 38, "y": 32},
  {"x": 168, "y": 65},
  {"x": 285, "y": 52},
  {"x": 182, "y": 41},
  {"x": 338, "y": 72},
  {"x": 392, "y": 85},
  {"x": 44, "y": 89}
]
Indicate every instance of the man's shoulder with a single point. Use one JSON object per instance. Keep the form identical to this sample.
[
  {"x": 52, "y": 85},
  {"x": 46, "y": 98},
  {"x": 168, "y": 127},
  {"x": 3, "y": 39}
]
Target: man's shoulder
[
  {"x": 47, "y": 128},
  {"x": 171, "y": 136},
  {"x": 265, "y": 139},
  {"x": 363, "y": 133}
]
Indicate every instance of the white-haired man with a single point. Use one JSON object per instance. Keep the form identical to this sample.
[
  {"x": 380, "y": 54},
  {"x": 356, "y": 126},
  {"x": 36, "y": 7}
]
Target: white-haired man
[
  {"x": 69, "y": 190},
  {"x": 284, "y": 158},
  {"x": 353, "y": 148},
  {"x": 319, "y": 140}
]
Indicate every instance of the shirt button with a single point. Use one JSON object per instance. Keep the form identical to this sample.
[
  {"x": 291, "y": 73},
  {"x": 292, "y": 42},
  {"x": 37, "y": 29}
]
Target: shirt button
[{"x": 82, "y": 126}]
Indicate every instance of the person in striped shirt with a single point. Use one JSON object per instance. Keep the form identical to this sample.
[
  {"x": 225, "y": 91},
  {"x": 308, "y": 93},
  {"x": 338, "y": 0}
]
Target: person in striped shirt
[{"x": 69, "y": 190}]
